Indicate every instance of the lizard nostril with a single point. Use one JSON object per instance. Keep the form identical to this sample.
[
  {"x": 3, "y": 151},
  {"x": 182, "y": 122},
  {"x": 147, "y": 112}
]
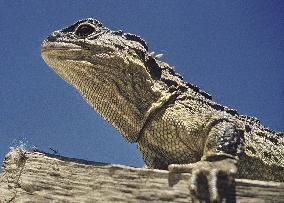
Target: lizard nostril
[{"x": 53, "y": 36}]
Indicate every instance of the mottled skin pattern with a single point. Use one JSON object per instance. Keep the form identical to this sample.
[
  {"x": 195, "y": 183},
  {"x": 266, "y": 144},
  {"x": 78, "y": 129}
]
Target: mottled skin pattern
[{"x": 172, "y": 121}]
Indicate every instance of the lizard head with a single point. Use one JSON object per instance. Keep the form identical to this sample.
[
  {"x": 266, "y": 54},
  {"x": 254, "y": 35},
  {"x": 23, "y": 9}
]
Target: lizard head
[
  {"x": 88, "y": 43},
  {"x": 112, "y": 70}
]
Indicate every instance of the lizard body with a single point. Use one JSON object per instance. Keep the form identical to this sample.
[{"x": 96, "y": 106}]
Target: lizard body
[{"x": 172, "y": 121}]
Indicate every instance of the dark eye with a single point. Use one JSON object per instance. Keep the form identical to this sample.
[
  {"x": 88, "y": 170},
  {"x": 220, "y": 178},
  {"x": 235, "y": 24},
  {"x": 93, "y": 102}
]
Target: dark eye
[{"x": 84, "y": 30}]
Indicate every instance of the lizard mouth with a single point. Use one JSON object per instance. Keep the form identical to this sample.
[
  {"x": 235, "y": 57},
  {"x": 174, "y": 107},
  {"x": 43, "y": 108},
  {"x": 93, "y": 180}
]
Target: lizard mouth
[
  {"x": 54, "y": 46},
  {"x": 60, "y": 51}
]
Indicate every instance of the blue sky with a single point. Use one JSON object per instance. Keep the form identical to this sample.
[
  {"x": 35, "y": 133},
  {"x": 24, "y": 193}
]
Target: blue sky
[{"x": 232, "y": 49}]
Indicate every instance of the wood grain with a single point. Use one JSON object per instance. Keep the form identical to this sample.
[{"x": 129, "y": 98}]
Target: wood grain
[{"x": 41, "y": 177}]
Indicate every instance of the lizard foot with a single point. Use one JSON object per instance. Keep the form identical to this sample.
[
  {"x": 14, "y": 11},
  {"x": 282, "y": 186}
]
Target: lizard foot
[{"x": 209, "y": 179}]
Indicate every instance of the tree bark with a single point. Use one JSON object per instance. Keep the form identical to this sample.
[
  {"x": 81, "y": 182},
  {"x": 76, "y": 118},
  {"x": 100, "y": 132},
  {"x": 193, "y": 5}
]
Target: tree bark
[{"x": 42, "y": 177}]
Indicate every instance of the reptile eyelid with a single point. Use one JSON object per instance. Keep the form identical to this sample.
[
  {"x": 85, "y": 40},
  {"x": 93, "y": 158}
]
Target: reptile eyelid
[{"x": 85, "y": 34}]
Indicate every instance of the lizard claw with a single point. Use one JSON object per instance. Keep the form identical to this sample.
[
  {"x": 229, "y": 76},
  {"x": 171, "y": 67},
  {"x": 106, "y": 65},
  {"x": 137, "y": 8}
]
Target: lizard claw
[{"x": 209, "y": 180}]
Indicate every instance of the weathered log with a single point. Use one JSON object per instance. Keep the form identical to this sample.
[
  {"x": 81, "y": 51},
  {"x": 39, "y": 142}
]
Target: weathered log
[{"x": 41, "y": 177}]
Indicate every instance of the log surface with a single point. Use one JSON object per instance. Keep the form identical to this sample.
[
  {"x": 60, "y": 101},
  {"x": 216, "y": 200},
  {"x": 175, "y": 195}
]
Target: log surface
[{"x": 41, "y": 177}]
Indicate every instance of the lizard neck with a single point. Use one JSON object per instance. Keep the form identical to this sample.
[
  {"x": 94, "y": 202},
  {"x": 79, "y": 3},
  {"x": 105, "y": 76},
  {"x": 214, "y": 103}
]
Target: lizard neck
[{"x": 124, "y": 98}]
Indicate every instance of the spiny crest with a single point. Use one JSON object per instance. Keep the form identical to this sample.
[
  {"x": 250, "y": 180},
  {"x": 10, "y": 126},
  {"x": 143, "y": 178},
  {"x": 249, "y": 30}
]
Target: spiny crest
[
  {"x": 176, "y": 79},
  {"x": 156, "y": 56}
]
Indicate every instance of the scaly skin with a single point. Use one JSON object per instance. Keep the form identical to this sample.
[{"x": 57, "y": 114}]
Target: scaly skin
[{"x": 174, "y": 123}]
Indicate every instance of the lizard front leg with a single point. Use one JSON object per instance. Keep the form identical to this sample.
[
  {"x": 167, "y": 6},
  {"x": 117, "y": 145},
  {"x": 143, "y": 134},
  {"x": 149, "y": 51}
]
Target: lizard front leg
[{"x": 217, "y": 167}]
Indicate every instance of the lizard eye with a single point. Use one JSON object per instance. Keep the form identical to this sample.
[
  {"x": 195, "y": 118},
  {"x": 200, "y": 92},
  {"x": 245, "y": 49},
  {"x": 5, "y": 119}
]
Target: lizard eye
[{"x": 84, "y": 30}]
